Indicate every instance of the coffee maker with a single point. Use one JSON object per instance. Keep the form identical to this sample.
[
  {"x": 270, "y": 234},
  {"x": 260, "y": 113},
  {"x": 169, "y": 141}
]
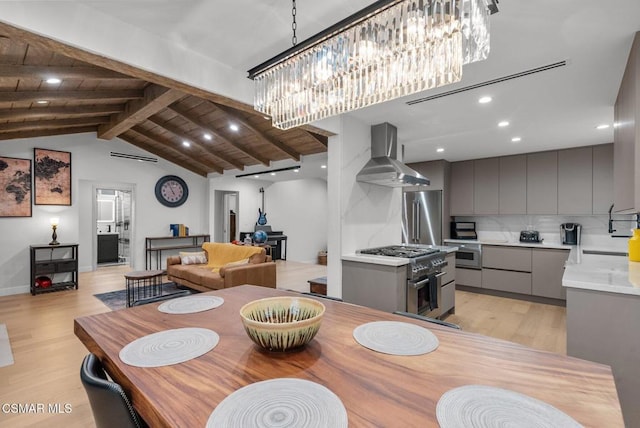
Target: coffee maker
[{"x": 570, "y": 233}]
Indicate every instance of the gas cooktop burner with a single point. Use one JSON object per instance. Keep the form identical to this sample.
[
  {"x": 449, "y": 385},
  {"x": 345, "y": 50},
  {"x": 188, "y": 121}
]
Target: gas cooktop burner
[{"x": 399, "y": 251}]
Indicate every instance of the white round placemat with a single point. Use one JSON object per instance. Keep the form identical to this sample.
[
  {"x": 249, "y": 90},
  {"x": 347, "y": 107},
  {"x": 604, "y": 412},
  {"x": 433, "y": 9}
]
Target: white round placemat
[
  {"x": 396, "y": 338},
  {"x": 488, "y": 407},
  {"x": 169, "y": 347},
  {"x": 279, "y": 403},
  {"x": 190, "y": 304}
]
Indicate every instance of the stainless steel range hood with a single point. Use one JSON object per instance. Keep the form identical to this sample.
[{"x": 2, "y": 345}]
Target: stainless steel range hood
[{"x": 384, "y": 169}]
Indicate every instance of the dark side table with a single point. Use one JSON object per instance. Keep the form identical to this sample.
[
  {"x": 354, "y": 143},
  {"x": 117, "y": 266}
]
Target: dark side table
[{"x": 143, "y": 285}]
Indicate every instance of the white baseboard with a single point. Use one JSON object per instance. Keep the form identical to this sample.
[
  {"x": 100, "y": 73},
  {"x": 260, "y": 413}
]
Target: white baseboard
[{"x": 19, "y": 289}]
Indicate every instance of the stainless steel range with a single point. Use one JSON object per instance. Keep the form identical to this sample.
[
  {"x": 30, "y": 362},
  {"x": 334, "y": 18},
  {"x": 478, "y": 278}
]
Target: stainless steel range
[{"x": 411, "y": 282}]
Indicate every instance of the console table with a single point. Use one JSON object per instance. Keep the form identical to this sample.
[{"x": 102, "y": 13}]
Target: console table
[
  {"x": 62, "y": 259},
  {"x": 154, "y": 247}
]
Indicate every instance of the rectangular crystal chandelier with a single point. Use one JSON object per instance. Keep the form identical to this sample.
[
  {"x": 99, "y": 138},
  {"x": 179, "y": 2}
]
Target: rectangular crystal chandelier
[{"x": 388, "y": 50}]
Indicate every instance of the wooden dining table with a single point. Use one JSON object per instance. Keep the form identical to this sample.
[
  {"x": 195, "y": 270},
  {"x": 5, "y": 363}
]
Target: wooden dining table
[{"x": 377, "y": 390}]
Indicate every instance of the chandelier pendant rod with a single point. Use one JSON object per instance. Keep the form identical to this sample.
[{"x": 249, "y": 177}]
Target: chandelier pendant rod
[{"x": 325, "y": 34}]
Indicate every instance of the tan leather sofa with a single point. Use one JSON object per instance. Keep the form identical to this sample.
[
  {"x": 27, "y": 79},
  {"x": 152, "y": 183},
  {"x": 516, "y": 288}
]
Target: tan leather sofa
[{"x": 257, "y": 269}]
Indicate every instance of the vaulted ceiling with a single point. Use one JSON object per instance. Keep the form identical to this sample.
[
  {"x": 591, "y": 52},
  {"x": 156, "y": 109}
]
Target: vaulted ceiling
[{"x": 154, "y": 113}]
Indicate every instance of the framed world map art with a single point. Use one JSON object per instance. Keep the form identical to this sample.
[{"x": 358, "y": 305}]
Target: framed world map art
[
  {"x": 15, "y": 187},
  {"x": 52, "y": 172}
]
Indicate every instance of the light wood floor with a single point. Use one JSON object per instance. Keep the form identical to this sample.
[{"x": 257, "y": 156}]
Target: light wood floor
[{"x": 48, "y": 355}]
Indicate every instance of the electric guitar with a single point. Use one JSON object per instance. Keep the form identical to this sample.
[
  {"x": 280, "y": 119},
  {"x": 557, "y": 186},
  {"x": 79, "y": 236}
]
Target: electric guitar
[{"x": 262, "y": 216}]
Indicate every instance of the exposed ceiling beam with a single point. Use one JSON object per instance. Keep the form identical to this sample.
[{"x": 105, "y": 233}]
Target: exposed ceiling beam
[
  {"x": 261, "y": 136},
  {"x": 117, "y": 66},
  {"x": 61, "y": 72},
  {"x": 46, "y": 132},
  {"x": 156, "y": 98},
  {"x": 31, "y": 96},
  {"x": 205, "y": 126},
  {"x": 78, "y": 111},
  {"x": 322, "y": 139},
  {"x": 207, "y": 150},
  {"x": 53, "y": 124},
  {"x": 168, "y": 146}
]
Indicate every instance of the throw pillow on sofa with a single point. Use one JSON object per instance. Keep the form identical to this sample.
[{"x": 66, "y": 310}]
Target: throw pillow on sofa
[{"x": 191, "y": 258}]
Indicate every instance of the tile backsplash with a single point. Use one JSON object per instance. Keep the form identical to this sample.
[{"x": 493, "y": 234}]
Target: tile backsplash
[{"x": 594, "y": 228}]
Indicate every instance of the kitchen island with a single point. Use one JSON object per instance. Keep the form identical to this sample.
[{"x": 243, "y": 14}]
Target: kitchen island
[
  {"x": 603, "y": 319},
  {"x": 376, "y": 389}
]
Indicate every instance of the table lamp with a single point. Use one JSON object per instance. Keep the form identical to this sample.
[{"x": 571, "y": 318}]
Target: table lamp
[{"x": 54, "y": 225}]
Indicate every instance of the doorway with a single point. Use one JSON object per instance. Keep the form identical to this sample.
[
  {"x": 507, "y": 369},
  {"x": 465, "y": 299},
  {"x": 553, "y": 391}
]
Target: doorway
[
  {"x": 114, "y": 226},
  {"x": 227, "y": 210}
]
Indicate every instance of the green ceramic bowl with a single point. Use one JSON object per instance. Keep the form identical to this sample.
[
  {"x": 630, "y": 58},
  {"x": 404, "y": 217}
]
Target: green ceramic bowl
[{"x": 282, "y": 324}]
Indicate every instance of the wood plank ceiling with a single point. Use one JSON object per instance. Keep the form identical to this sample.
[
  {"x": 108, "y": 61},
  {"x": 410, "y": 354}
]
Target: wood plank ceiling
[{"x": 151, "y": 112}]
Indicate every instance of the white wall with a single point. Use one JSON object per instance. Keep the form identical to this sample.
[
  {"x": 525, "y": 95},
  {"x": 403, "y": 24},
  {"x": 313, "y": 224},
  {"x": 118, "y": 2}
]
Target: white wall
[
  {"x": 361, "y": 215},
  {"x": 297, "y": 207},
  {"x": 90, "y": 164}
]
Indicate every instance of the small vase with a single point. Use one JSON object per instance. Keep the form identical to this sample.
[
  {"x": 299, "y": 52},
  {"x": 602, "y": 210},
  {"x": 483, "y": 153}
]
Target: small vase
[{"x": 634, "y": 246}]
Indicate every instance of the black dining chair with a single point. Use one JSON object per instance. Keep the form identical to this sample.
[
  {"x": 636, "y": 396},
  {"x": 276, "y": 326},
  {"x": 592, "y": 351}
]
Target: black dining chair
[
  {"x": 110, "y": 405},
  {"x": 428, "y": 319}
]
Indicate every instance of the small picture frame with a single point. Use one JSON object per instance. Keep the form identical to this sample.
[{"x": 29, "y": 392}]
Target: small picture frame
[
  {"x": 15, "y": 187},
  {"x": 52, "y": 177}
]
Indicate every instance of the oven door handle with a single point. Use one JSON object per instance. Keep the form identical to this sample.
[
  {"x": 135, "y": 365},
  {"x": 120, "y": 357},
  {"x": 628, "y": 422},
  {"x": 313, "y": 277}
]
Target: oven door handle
[{"x": 420, "y": 284}]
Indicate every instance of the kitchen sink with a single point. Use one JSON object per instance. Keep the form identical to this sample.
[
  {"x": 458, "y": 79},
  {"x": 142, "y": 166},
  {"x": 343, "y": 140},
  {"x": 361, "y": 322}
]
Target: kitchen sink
[{"x": 605, "y": 253}]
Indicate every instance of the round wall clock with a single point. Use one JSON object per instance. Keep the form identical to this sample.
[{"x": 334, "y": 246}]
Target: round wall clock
[{"x": 172, "y": 191}]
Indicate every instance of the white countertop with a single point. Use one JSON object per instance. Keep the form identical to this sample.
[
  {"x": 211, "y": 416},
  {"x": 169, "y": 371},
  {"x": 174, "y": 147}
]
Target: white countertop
[
  {"x": 389, "y": 261},
  {"x": 555, "y": 246},
  {"x": 613, "y": 274}
]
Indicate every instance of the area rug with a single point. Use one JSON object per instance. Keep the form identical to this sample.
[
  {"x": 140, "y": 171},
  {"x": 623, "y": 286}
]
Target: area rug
[
  {"x": 118, "y": 299},
  {"x": 6, "y": 356}
]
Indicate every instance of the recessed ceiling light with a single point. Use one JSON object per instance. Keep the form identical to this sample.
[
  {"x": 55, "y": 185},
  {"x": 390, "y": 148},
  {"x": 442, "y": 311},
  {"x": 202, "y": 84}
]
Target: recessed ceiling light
[
  {"x": 256, "y": 176},
  {"x": 485, "y": 100},
  {"x": 233, "y": 127},
  {"x": 440, "y": 150},
  {"x": 208, "y": 137},
  {"x": 323, "y": 166},
  {"x": 603, "y": 126},
  {"x": 42, "y": 102},
  {"x": 273, "y": 173},
  {"x": 516, "y": 139},
  {"x": 296, "y": 170},
  {"x": 53, "y": 81},
  {"x": 503, "y": 124},
  {"x": 186, "y": 143}
]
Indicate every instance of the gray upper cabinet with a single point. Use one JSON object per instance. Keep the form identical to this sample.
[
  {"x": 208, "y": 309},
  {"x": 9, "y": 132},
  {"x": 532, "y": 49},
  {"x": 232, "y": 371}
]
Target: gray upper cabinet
[
  {"x": 602, "y": 178},
  {"x": 486, "y": 186},
  {"x": 462, "y": 188},
  {"x": 626, "y": 135},
  {"x": 542, "y": 183},
  {"x": 575, "y": 181},
  {"x": 513, "y": 185}
]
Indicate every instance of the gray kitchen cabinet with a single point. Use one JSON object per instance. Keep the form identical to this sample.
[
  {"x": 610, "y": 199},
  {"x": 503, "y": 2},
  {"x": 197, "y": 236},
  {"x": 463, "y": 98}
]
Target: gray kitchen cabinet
[
  {"x": 602, "y": 178},
  {"x": 547, "y": 271},
  {"x": 506, "y": 269},
  {"x": 486, "y": 186},
  {"x": 461, "y": 198},
  {"x": 374, "y": 286},
  {"x": 448, "y": 303},
  {"x": 513, "y": 185},
  {"x": 575, "y": 181},
  {"x": 626, "y": 135},
  {"x": 507, "y": 258},
  {"x": 542, "y": 183},
  {"x": 469, "y": 277},
  {"x": 603, "y": 327},
  {"x": 506, "y": 280}
]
